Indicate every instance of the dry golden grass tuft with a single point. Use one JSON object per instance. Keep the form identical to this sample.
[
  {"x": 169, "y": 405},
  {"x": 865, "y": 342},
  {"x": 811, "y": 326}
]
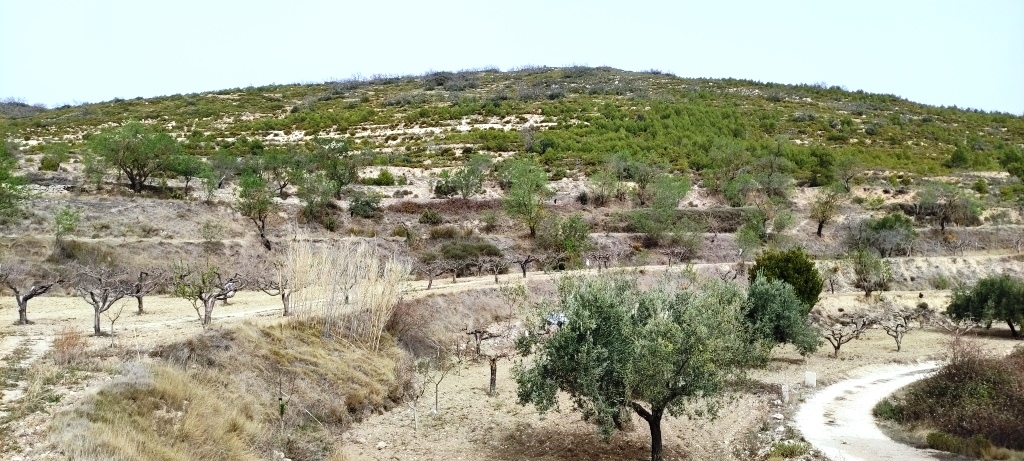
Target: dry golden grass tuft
[
  {"x": 68, "y": 346},
  {"x": 160, "y": 412},
  {"x": 243, "y": 393}
]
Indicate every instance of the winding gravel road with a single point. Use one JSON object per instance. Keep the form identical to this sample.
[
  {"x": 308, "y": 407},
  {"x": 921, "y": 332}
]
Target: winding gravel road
[{"x": 837, "y": 419}]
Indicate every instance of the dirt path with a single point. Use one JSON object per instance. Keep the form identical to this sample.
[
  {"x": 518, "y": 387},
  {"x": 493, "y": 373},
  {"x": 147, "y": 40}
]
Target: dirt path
[{"x": 838, "y": 421}]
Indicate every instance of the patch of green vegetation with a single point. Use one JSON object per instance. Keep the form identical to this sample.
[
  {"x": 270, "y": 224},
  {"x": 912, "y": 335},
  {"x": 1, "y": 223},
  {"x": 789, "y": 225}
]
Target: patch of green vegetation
[{"x": 587, "y": 113}]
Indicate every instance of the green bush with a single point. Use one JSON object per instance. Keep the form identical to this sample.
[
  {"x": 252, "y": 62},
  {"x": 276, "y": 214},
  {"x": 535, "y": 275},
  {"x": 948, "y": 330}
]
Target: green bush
[
  {"x": 788, "y": 449},
  {"x": 384, "y": 178},
  {"x": 794, "y": 267},
  {"x": 975, "y": 446},
  {"x": 49, "y": 163},
  {"x": 469, "y": 249},
  {"x": 431, "y": 217},
  {"x": 980, "y": 186},
  {"x": 972, "y": 402},
  {"x": 886, "y": 409},
  {"x": 364, "y": 205}
]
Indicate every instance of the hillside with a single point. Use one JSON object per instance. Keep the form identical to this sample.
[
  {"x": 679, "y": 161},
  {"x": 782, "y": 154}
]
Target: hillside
[
  {"x": 579, "y": 115},
  {"x": 426, "y": 212}
]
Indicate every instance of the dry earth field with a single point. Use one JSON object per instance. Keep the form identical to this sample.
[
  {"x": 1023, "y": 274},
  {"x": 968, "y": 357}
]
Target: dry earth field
[{"x": 471, "y": 425}]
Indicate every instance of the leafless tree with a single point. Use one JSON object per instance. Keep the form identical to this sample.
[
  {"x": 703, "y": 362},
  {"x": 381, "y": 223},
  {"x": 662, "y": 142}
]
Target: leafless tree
[
  {"x": 843, "y": 329},
  {"x": 203, "y": 287},
  {"x": 523, "y": 260},
  {"x": 15, "y": 277},
  {"x": 431, "y": 270},
  {"x": 957, "y": 327},
  {"x": 145, "y": 284},
  {"x": 453, "y": 266},
  {"x": 896, "y": 321},
  {"x": 832, "y": 275},
  {"x": 112, "y": 316},
  {"x": 492, "y": 265},
  {"x": 420, "y": 373},
  {"x": 101, "y": 287},
  {"x": 275, "y": 278},
  {"x": 444, "y": 362},
  {"x": 955, "y": 244}
]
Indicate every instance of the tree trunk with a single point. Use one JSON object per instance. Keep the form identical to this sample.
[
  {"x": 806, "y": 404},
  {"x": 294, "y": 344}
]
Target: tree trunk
[
  {"x": 96, "y": 321},
  {"x": 208, "y": 311},
  {"x": 653, "y": 419},
  {"x": 821, "y": 225},
  {"x": 139, "y": 299},
  {"x": 1013, "y": 331},
  {"x": 22, "y": 310},
  {"x": 655, "y": 423},
  {"x": 494, "y": 376},
  {"x": 523, "y": 267},
  {"x": 286, "y": 299}
]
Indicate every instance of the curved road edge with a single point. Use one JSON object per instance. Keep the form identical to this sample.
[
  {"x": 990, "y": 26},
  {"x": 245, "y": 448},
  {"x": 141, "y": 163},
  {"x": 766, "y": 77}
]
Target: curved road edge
[{"x": 838, "y": 419}]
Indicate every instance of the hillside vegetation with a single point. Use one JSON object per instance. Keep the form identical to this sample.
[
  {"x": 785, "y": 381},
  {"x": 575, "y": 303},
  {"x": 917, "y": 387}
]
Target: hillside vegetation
[{"x": 577, "y": 115}]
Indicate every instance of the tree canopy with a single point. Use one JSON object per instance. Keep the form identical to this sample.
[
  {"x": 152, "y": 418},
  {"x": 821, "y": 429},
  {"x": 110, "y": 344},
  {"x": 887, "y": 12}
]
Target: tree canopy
[
  {"x": 995, "y": 298},
  {"x": 650, "y": 351},
  {"x": 527, "y": 192},
  {"x": 777, "y": 315},
  {"x": 136, "y": 149},
  {"x": 796, "y": 268}
]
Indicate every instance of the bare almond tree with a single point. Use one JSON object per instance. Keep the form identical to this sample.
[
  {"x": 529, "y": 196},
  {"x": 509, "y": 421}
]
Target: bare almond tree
[
  {"x": 276, "y": 278},
  {"x": 101, "y": 287},
  {"x": 523, "y": 260},
  {"x": 203, "y": 287},
  {"x": 145, "y": 284},
  {"x": 431, "y": 270},
  {"x": 843, "y": 329},
  {"x": 896, "y": 321},
  {"x": 15, "y": 278},
  {"x": 492, "y": 265}
]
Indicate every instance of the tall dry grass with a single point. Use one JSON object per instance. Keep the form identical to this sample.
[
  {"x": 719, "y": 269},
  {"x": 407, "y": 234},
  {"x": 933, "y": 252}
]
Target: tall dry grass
[{"x": 346, "y": 288}]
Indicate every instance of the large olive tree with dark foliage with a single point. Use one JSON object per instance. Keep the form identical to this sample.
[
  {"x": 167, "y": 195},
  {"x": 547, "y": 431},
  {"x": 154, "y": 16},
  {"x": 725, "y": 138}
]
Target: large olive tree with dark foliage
[
  {"x": 995, "y": 298},
  {"x": 623, "y": 348}
]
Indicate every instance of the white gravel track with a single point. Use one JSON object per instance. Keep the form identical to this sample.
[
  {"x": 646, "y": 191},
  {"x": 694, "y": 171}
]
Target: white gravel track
[{"x": 838, "y": 421}]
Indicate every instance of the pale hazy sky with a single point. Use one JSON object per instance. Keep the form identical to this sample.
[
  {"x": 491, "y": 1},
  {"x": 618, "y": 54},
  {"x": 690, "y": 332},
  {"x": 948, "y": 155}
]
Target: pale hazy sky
[{"x": 963, "y": 53}]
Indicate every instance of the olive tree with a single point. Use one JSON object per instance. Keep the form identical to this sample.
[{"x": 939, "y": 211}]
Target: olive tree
[
  {"x": 255, "y": 202},
  {"x": 622, "y": 348},
  {"x": 826, "y": 206},
  {"x": 947, "y": 204},
  {"x": 466, "y": 181},
  {"x": 776, "y": 315},
  {"x": 994, "y": 298},
  {"x": 794, "y": 267},
  {"x": 871, "y": 272},
  {"x": 137, "y": 150},
  {"x": 528, "y": 189}
]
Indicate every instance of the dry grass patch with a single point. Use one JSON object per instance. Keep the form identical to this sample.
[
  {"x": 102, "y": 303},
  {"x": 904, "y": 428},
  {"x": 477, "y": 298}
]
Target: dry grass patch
[{"x": 241, "y": 393}]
